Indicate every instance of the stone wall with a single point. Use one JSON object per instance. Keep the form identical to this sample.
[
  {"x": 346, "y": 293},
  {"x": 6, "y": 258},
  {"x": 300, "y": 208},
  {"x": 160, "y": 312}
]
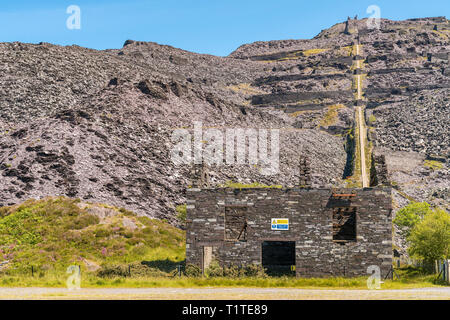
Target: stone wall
[
  {"x": 379, "y": 172},
  {"x": 310, "y": 214}
]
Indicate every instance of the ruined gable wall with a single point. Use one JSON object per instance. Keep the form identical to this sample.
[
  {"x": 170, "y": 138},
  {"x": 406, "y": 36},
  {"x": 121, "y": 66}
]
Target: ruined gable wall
[{"x": 310, "y": 214}]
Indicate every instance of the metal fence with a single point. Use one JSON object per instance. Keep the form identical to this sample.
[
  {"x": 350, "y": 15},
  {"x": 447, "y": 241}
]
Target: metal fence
[{"x": 443, "y": 270}]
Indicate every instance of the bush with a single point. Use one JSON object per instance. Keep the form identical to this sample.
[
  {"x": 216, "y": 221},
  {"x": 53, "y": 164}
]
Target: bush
[
  {"x": 102, "y": 233},
  {"x": 232, "y": 271},
  {"x": 192, "y": 271},
  {"x": 251, "y": 270},
  {"x": 254, "y": 270},
  {"x": 430, "y": 239},
  {"x": 409, "y": 216},
  {"x": 129, "y": 270},
  {"x": 113, "y": 271},
  {"x": 83, "y": 221},
  {"x": 182, "y": 210},
  {"x": 214, "y": 270}
]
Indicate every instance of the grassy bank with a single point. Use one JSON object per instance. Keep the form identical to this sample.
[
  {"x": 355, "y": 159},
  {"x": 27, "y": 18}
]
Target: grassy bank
[
  {"x": 51, "y": 234},
  {"x": 92, "y": 281},
  {"x": 405, "y": 278}
]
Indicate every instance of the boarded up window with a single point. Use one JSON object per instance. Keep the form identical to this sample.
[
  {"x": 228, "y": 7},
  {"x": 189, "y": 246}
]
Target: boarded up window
[
  {"x": 344, "y": 224},
  {"x": 236, "y": 223}
]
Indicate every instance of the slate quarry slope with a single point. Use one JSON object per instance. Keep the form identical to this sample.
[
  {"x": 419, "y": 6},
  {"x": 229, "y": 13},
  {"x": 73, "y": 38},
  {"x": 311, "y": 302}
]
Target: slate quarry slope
[{"x": 97, "y": 125}]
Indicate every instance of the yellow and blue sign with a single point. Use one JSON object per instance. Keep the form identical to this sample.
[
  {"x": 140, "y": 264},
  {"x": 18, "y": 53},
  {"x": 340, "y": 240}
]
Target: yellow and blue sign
[{"x": 280, "y": 224}]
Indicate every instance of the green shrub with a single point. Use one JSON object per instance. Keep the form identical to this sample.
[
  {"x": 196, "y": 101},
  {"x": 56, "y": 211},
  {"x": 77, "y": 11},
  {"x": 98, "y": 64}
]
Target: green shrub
[
  {"x": 409, "y": 216},
  {"x": 133, "y": 241},
  {"x": 427, "y": 231},
  {"x": 214, "y": 270},
  {"x": 141, "y": 270},
  {"x": 83, "y": 221},
  {"x": 192, "y": 271},
  {"x": 232, "y": 271},
  {"x": 254, "y": 270},
  {"x": 129, "y": 270},
  {"x": 181, "y": 209},
  {"x": 139, "y": 250},
  {"x": 113, "y": 271},
  {"x": 102, "y": 233},
  {"x": 14, "y": 228},
  {"x": 430, "y": 239}
]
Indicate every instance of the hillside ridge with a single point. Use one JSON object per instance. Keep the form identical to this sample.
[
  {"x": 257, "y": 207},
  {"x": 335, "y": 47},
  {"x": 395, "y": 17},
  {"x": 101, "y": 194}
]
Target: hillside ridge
[{"x": 97, "y": 125}]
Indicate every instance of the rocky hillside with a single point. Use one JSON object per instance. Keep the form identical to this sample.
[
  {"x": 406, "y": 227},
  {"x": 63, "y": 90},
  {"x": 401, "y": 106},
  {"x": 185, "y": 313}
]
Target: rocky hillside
[{"x": 96, "y": 125}]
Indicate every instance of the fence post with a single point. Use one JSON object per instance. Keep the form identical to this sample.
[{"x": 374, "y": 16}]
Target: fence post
[
  {"x": 32, "y": 271},
  {"x": 447, "y": 270}
]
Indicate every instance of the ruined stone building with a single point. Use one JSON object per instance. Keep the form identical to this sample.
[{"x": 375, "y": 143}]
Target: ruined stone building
[{"x": 314, "y": 232}]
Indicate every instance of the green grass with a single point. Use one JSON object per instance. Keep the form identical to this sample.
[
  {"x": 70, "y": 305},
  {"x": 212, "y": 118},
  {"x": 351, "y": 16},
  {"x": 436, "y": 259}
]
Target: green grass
[
  {"x": 433, "y": 165},
  {"x": 89, "y": 280},
  {"x": 331, "y": 116},
  {"x": 181, "y": 212},
  {"x": 237, "y": 185},
  {"x": 310, "y": 52}
]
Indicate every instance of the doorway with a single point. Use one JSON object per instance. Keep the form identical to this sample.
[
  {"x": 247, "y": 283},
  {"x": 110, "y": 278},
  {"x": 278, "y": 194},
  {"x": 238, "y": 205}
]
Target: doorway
[{"x": 278, "y": 257}]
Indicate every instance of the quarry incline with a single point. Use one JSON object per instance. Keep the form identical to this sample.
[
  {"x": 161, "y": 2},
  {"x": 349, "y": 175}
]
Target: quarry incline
[{"x": 97, "y": 125}]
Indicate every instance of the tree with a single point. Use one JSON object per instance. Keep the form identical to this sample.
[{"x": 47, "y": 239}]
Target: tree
[
  {"x": 430, "y": 238},
  {"x": 408, "y": 217}
]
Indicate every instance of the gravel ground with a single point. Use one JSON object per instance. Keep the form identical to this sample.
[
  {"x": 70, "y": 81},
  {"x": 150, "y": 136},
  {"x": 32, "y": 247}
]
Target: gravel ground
[{"x": 222, "y": 293}]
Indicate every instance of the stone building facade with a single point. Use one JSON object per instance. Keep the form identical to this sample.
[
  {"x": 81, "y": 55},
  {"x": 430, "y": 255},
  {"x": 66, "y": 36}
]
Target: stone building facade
[{"x": 322, "y": 232}]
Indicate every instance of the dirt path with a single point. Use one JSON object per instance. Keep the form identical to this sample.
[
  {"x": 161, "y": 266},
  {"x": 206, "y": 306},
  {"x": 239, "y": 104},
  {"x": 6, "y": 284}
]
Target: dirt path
[{"x": 222, "y": 293}]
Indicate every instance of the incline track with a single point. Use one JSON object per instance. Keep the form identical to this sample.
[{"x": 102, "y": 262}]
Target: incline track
[{"x": 359, "y": 118}]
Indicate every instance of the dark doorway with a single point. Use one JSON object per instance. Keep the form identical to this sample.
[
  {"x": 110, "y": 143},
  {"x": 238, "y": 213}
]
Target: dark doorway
[{"x": 278, "y": 257}]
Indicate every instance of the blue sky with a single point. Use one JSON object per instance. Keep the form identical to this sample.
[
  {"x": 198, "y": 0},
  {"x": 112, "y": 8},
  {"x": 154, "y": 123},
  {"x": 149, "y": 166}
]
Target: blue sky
[{"x": 204, "y": 26}]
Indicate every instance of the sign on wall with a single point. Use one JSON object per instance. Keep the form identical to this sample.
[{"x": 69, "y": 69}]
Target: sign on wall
[{"x": 280, "y": 224}]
